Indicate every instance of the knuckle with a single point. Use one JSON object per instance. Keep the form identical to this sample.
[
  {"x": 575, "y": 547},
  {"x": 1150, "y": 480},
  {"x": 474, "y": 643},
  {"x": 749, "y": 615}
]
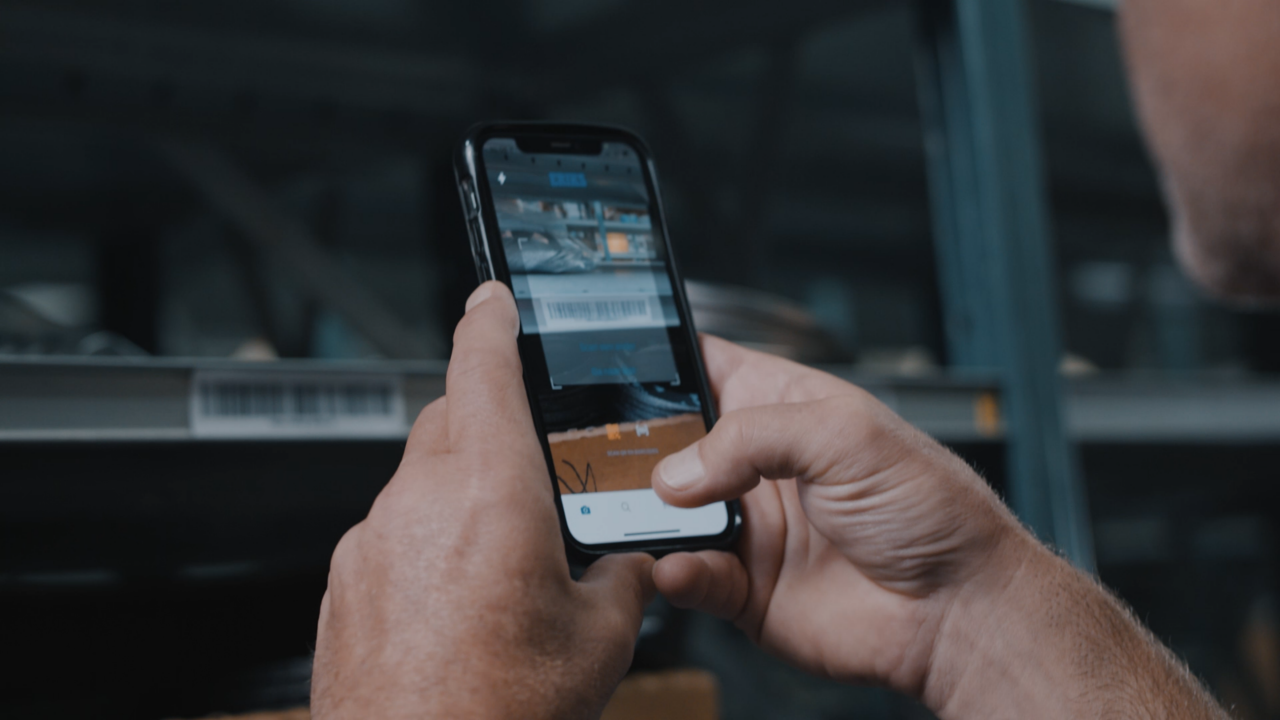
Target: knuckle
[
  {"x": 482, "y": 321},
  {"x": 393, "y": 497},
  {"x": 632, "y": 584},
  {"x": 346, "y": 552},
  {"x": 861, "y": 415},
  {"x": 465, "y": 326},
  {"x": 738, "y": 430},
  {"x": 619, "y": 627},
  {"x": 526, "y": 514},
  {"x": 488, "y": 366},
  {"x": 426, "y": 414}
]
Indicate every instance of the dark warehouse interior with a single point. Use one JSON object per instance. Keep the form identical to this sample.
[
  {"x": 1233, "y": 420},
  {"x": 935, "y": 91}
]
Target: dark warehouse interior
[{"x": 190, "y": 189}]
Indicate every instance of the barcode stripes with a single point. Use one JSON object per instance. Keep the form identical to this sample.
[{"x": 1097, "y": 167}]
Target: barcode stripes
[
  {"x": 596, "y": 310},
  {"x": 307, "y": 401}
]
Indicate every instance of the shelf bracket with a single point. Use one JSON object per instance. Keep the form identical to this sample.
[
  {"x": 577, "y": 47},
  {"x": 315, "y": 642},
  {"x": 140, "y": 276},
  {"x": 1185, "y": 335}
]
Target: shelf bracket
[{"x": 992, "y": 240}]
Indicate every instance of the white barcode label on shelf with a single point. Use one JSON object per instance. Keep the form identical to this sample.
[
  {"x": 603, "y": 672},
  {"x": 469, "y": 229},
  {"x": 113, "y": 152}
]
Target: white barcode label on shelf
[{"x": 273, "y": 405}]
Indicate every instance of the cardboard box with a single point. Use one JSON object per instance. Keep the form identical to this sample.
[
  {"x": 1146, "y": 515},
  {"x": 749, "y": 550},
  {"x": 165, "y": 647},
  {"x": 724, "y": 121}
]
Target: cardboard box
[{"x": 668, "y": 695}]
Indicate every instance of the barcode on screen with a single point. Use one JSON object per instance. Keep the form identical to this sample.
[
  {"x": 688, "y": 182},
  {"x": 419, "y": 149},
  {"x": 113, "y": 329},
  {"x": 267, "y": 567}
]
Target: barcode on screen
[{"x": 596, "y": 310}]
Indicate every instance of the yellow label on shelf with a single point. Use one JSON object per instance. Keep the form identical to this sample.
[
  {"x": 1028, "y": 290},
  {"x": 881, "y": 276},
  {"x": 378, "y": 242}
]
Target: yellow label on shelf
[{"x": 986, "y": 414}]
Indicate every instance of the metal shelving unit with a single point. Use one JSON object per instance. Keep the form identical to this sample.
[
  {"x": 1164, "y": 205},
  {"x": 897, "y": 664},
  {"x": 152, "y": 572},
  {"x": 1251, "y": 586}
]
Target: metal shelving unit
[
  {"x": 155, "y": 400},
  {"x": 69, "y": 400},
  {"x": 122, "y": 486},
  {"x": 1138, "y": 410},
  {"x": 991, "y": 234},
  {"x": 987, "y": 192}
]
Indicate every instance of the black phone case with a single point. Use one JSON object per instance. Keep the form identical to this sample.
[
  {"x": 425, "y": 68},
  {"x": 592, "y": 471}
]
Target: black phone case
[{"x": 482, "y": 232}]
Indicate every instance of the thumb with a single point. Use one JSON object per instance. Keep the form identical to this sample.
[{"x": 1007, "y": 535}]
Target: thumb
[
  {"x": 624, "y": 585},
  {"x": 807, "y": 441}
]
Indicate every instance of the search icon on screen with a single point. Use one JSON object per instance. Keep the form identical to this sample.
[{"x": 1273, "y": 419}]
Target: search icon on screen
[{"x": 626, "y": 506}]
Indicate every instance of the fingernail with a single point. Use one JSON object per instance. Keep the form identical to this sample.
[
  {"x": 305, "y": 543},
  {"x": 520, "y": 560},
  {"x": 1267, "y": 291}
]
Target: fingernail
[
  {"x": 681, "y": 470},
  {"x": 481, "y": 294}
]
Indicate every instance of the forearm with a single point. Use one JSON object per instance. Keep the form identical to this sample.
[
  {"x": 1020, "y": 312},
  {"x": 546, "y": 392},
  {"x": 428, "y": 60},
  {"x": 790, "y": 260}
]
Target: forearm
[{"x": 1049, "y": 642}]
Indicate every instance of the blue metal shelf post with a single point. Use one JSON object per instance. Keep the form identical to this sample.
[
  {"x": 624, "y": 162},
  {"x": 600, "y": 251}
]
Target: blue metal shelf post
[{"x": 992, "y": 238}]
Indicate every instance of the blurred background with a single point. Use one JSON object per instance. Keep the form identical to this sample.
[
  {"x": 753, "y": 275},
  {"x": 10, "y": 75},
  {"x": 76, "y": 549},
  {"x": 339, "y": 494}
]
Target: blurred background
[{"x": 192, "y": 187}]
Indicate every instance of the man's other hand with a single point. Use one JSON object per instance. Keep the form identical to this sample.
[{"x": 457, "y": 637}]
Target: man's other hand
[
  {"x": 848, "y": 570},
  {"x": 878, "y": 556},
  {"x": 453, "y": 598}
]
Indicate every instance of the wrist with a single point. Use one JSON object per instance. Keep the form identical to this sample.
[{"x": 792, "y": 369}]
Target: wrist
[
  {"x": 395, "y": 692},
  {"x": 1035, "y": 637},
  {"x": 986, "y": 641}
]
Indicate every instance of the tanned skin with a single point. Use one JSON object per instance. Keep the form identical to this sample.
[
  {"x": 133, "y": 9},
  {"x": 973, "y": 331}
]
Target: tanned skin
[
  {"x": 1206, "y": 78},
  {"x": 453, "y": 598},
  {"x": 877, "y": 556}
]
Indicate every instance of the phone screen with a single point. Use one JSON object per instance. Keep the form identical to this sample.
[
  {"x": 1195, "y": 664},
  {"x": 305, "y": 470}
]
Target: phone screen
[{"x": 604, "y": 341}]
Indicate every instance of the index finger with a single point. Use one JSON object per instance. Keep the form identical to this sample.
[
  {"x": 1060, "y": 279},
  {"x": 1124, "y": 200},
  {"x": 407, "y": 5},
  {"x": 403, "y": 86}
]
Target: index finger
[
  {"x": 743, "y": 378},
  {"x": 712, "y": 581},
  {"x": 487, "y": 407}
]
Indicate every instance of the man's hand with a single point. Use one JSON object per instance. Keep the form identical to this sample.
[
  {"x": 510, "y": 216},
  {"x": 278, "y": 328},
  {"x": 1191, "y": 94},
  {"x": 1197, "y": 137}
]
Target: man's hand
[
  {"x": 453, "y": 598},
  {"x": 888, "y": 560},
  {"x": 848, "y": 571}
]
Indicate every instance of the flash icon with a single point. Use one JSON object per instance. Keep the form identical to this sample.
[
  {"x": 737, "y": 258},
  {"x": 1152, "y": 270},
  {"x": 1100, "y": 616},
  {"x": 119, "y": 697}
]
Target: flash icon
[{"x": 502, "y": 178}]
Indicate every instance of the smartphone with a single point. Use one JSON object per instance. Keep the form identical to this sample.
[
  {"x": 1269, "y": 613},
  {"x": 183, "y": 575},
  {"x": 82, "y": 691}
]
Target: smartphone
[{"x": 569, "y": 217}]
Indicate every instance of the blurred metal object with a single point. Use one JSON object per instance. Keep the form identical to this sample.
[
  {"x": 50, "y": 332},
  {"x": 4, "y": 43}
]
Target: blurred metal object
[
  {"x": 26, "y": 329},
  {"x": 1260, "y": 651},
  {"x": 118, "y": 399},
  {"x": 1106, "y": 5},
  {"x": 105, "y": 342},
  {"x": 244, "y": 203},
  {"x": 762, "y": 321}
]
